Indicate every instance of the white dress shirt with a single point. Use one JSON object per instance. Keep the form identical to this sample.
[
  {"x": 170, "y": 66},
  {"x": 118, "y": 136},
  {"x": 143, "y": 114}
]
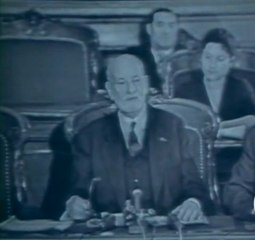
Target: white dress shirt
[
  {"x": 140, "y": 125},
  {"x": 162, "y": 53}
]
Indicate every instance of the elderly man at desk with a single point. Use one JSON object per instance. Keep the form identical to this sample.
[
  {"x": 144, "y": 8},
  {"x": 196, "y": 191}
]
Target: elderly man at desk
[
  {"x": 239, "y": 193},
  {"x": 137, "y": 147}
]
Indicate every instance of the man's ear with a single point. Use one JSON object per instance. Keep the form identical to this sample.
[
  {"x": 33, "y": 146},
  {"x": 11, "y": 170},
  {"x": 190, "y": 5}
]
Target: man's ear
[
  {"x": 233, "y": 61},
  {"x": 148, "y": 28},
  {"x": 108, "y": 89},
  {"x": 146, "y": 81}
]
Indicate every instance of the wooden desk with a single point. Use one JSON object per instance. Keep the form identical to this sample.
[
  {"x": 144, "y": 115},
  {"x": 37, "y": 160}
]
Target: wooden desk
[
  {"x": 169, "y": 236},
  {"x": 220, "y": 228},
  {"x": 224, "y": 143}
]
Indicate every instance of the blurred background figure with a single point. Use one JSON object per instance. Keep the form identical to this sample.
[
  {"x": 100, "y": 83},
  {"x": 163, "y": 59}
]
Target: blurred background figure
[
  {"x": 230, "y": 98},
  {"x": 161, "y": 39}
]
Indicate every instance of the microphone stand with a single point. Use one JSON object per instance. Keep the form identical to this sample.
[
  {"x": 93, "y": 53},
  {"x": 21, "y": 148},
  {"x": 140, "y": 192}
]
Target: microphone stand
[
  {"x": 92, "y": 187},
  {"x": 137, "y": 227}
]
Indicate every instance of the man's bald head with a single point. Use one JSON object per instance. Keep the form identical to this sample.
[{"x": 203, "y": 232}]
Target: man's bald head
[
  {"x": 124, "y": 63},
  {"x": 127, "y": 83}
]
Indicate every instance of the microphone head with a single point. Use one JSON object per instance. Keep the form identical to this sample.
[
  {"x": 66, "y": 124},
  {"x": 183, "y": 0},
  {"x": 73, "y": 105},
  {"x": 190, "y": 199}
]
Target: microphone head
[
  {"x": 92, "y": 185},
  {"x": 137, "y": 192},
  {"x": 96, "y": 179},
  {"x": 137, "y": 195}
]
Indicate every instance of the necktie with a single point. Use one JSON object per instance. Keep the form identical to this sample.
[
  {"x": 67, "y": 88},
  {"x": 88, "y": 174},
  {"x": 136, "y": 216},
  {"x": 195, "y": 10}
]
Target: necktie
[
  {"x": 133, "y": 144},
  {"x": 164, "y": 70}
]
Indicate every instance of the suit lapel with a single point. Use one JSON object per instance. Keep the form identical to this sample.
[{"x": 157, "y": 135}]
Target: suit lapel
[{"x": 113, "y": 150}]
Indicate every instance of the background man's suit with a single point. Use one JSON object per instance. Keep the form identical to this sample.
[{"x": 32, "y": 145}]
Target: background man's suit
[{"x": 99, "y": 151}]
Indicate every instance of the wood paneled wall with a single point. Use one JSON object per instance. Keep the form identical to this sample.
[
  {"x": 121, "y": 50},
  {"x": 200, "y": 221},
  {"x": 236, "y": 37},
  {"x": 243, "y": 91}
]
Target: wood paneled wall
[{"x": 117, "y": 22}]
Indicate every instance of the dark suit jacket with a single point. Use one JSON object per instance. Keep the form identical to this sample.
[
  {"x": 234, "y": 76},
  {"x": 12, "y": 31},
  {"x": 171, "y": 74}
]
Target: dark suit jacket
[
  {"x": 99, "y": 151},
  {"x": 240, "y": 191},
  {"x": 238, "y": 98}
]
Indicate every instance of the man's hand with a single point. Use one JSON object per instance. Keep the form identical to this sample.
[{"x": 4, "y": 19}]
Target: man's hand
[
  {"x": 78, "y": 208},
  {"x": 188, "y": 211}
]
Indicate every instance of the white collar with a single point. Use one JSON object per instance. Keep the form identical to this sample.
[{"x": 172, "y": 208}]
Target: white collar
[
  {"x": 157, "y": 53},
  {"x": 140, "y": 120}
]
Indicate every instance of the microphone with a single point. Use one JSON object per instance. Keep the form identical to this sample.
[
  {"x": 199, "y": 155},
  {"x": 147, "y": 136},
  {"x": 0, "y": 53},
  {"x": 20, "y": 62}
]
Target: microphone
[
  {"x": 92, "y": 187},
  {"x": 138, "y": 226},
  {"x": 137, "y": 195}
]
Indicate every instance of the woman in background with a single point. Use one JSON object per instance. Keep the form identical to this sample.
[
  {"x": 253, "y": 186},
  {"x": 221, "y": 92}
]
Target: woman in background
[{"x": 232, "y": 99}]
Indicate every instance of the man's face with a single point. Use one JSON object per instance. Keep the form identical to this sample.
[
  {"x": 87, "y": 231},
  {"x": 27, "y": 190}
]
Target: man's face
[
  {"x": 128, "y": 87},
  {"x": 163, "y": 30},
  {"x": 216, "y": 61}
]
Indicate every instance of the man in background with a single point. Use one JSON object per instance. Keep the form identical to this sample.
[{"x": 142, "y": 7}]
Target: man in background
[{"x": 162, "y": 39}]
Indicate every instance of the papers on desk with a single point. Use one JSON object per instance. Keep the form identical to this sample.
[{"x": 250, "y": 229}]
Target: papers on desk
[
  {"x": 159, "y": 221},
  {"x": 201, "y": 220},
  {"x": 232, "y": 132},
  {"x": 236, "y": 128},
  {"x": 14, "y": 224}
]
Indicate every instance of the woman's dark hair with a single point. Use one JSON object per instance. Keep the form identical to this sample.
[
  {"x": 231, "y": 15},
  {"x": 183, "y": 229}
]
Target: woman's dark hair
[{"x": 221, "y": 36}]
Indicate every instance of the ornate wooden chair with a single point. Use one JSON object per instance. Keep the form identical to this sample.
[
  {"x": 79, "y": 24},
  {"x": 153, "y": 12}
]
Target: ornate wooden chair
[
  {"x": 58, "y": 61},
  {"x": 182, "y": 77},
  {"x": 245, "y": 59},
  {"x": 75, "y": 122},
  {"x": 13, "y": 133},
  {"x": 183, "y": 60},
  {"x": 244, "y": 66}
]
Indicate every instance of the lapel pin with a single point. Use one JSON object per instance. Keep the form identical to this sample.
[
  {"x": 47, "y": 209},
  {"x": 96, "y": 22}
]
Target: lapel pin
[{"x": 162, "y": 139}]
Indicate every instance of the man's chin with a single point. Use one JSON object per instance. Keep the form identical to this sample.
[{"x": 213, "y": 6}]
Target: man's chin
[
  {"x": 165, "y": 46},
  {"x": 212, "y": 78},
  {"x": 131, "y": 110}
]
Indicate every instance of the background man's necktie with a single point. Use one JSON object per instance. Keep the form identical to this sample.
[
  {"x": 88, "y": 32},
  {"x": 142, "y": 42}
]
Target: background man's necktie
[
  {"x": 133, "y": 144},
  {"x": 164, "y": 69}
]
